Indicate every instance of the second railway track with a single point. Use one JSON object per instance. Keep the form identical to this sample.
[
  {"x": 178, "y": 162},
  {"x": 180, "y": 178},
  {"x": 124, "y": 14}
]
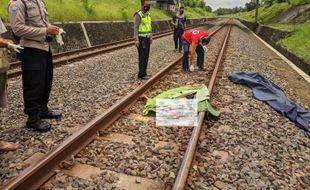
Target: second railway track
[{"x": 75, "y": 55}]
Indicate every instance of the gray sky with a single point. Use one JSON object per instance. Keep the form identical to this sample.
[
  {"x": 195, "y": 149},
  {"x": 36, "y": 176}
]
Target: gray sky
[{"x": 215, "y": 4}]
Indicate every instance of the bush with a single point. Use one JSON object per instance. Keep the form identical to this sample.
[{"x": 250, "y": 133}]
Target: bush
[{"x": 299, "y": 2}]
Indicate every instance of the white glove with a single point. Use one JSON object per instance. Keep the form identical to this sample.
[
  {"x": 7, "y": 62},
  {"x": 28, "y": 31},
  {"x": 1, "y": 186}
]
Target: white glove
[
  {"x": 192, "y": 68},
  {"x": 205, "y": 48},
  {"x": 15, "y": 47},
  {"x": 59, "y": 37}
]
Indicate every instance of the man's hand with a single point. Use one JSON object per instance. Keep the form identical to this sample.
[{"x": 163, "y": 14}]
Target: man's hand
[
  {"x": 5, "y": 42},
  {"x": 52, "y": 30},
  {"x": 174, "y": 25},
  {"x": 151, "y": 41},
  {"x": 137, "y": 43},
  {"x": 15, "y": 47},
  {"x": 191, "y": 62}
]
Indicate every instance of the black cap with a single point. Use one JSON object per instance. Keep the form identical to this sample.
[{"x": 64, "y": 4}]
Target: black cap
[{"x": 205, "y": 40}]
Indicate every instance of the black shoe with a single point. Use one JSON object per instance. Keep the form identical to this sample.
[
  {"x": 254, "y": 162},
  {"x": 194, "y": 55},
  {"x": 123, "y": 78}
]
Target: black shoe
[
  {"x": 144, "y": 78},
  {"x": 38, "y": 124},
  {"x": 202, "y": 69},
  {"x": 50, "y": 114},
  {"x": 150, "y": 76}
]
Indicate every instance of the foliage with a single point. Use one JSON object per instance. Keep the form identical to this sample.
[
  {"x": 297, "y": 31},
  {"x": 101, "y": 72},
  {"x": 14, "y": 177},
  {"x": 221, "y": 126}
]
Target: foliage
[
  {"x": 248, "y": 7},
  {"x": 268, "y": 3},
  {"x": 299, "y": 42},
  {"x": 299, "y": 2},
  {"x": 197, "y": 3},
  {"x": 88, "y": 8},
  {"x": 197, "y": 12},
  {"x": 76, "y": 10}
]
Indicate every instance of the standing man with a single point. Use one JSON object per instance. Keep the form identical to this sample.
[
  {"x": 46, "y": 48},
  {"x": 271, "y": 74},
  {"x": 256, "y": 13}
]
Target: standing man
[
  {"x": 194, "y": 41},
  {"x": 179, "y": 23},
  {"x": 143, "y": 37},
  {"x": 29, "y": 21}
]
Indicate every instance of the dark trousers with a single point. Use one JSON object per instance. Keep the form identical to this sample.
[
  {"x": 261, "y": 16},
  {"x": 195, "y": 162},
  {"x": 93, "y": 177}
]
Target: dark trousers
[
  {"x": 144, "y": 52},
  {"x": 37, "y": 70},
  {"x": 200, "y": 55},
  {"x": 177, "y": 35}
]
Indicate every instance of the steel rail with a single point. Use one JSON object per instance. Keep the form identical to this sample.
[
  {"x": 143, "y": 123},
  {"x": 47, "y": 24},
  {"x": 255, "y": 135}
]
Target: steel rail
[
  {"x": 68, "y": 53},
  {"x": 75, "y": 55},
  {"x": 180, "y": 182},
  {"x": 39, "y": 172}
]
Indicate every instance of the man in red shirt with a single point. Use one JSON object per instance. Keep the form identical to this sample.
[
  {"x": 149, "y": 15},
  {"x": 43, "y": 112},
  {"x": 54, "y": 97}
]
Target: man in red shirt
[{"x": 194, "y": 41}]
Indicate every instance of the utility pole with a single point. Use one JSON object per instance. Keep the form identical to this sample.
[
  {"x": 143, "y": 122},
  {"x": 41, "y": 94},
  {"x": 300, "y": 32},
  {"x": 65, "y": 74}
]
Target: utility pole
[{"x": 256, "y": 12}]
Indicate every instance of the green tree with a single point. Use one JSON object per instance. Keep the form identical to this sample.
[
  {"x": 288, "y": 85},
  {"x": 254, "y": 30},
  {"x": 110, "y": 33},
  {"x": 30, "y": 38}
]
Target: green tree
[
  {"x": 250, "y": 6},
  {"x": 208, "y": 8}
]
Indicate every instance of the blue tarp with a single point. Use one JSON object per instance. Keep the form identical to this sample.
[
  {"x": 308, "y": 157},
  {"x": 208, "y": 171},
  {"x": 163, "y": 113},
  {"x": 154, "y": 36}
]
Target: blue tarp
[{"x": 266, "y": 91}]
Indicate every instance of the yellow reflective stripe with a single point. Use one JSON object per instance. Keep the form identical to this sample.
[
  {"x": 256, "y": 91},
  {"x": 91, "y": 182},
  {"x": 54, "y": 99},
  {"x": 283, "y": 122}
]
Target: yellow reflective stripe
[{"x": 145, "y": 32}]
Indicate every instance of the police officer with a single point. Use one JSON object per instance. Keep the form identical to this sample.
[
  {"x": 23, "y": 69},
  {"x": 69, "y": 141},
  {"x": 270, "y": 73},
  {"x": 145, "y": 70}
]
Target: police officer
[
  {"x": 29, "y": 21},
  {"x": 143, "y": 37},
  {"x": 179, "y": 23},
  {"x": 194, "y": 41}
]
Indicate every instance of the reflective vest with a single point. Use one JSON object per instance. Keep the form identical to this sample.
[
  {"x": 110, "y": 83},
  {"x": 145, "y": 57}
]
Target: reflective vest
[{"x": 145, "y": 27}]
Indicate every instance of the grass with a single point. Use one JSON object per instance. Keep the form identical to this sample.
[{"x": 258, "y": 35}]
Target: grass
[
  {"x": 197, "y": 13},
  {"x": 299, "y": 42},
  {"x": 265, "y": 14},
  {"x": 76, "y": 10}
]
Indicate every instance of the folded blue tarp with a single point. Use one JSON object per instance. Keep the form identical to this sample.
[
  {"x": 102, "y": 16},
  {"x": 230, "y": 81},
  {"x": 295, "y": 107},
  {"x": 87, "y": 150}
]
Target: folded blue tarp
[{"x": 266, "y": 91}]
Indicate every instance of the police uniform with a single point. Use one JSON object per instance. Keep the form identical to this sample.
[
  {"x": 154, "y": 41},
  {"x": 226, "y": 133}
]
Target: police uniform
[
  {"x": 29, "y": 21},
  {"x": 143, "y": 33}
]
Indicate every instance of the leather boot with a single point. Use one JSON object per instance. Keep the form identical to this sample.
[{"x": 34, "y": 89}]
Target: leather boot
[{"x": 37, "y": 124}]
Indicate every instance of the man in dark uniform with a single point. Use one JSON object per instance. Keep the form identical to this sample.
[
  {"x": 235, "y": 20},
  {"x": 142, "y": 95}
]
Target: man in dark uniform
[
  {"x": 179, "y": 23},
  {"x": 29, "y": 21},
  {"x": 143, "y": 37}
]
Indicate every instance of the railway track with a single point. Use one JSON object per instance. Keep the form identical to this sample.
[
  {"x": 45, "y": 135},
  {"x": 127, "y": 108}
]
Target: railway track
[
  {"x": 38, "y": 173},
  {"x": 189, "y": 156},
  {"x": 75, "y": 55}
]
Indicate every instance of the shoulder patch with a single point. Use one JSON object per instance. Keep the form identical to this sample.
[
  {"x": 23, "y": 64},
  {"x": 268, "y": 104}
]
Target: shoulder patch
[{"x": 13, "y": 8}]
